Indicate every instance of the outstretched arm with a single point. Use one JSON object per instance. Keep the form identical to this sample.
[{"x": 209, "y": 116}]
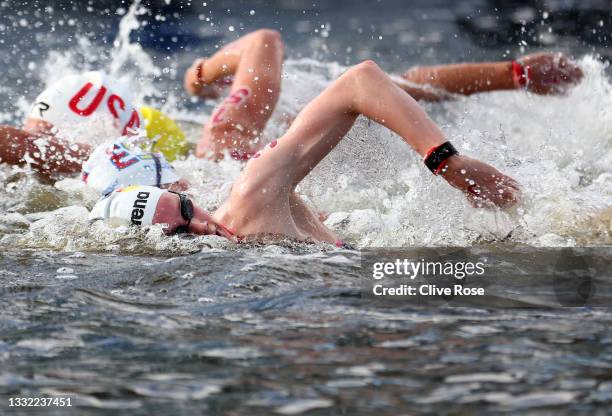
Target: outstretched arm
[
  {"x": 45, "y": 154},
  {"x": 542, "y": 73},
  {"x": 365, "y": 89}
]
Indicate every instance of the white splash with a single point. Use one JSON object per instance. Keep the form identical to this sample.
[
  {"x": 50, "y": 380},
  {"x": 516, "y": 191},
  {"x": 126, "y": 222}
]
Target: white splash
[{"x": 377, "y": 189}]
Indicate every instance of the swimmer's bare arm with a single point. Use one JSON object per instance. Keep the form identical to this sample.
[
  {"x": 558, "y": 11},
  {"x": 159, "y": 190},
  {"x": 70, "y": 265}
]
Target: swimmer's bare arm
[
  {"x": 45, "y": 154},
  {"x": 221, "y": 64},
  {"x": 365, "y": 89},
  {"x": 462, "y": 79},
  {"x": 255, "y": 61},
  {"x": 550, "y": 74}
]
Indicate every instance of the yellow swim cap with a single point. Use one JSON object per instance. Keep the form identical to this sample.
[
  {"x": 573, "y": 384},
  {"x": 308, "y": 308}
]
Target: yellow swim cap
[{"x": 167, "y": 137}]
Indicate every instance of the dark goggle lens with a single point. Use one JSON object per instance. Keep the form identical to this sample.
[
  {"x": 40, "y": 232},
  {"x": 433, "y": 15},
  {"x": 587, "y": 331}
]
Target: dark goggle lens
[
  {"x": 186, "y": 207},
  {"x": 186, "y": 212}
]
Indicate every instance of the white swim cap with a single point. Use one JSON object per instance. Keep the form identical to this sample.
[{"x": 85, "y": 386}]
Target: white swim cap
[
  {"x": 118, "y": 164},
  {"x": 80, "y": 98},
  {"x": 134, "y": 204}
]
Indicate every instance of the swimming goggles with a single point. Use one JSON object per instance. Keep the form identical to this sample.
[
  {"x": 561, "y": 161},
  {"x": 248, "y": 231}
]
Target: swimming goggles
[{"x": 186, "y": 212}]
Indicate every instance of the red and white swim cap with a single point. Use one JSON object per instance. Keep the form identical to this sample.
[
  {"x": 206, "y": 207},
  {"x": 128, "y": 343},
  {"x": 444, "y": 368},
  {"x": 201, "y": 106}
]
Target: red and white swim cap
[
  {"x": 119, "y": 163},
  {"x": 77, "y": 99}
]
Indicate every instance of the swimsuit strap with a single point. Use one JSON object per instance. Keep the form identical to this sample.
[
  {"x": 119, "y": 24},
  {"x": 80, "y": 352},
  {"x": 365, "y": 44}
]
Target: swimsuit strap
[{"x": 158, "y": 169}]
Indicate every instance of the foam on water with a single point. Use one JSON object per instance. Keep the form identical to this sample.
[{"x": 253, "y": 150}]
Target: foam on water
[
  {"x": 558, "y": 148},
  {"x": 379, "y": 193}
]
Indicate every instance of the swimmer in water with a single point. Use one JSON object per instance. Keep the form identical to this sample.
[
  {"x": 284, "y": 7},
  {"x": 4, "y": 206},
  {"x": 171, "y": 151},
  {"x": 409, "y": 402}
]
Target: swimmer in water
[
  {"x": 263, "y": 200},
  {"x": 252, "y": 66},
  {"x": 95, "y": 101},
  {"x": 67, "y": 120},
  {"x": 118, "y": 164}
]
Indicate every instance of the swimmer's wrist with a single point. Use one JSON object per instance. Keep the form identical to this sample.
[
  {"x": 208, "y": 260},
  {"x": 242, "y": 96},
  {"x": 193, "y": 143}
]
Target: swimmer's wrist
[
  {"x": 521, "y": 75},
  {"x": 436, "y": 158},
  {"x": 452, "y": 165}
]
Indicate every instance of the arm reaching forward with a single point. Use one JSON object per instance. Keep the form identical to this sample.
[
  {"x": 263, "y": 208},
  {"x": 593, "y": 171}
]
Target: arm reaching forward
[
  {"x": 541, "y": 73},
  {"x": 366, "y": 89}
]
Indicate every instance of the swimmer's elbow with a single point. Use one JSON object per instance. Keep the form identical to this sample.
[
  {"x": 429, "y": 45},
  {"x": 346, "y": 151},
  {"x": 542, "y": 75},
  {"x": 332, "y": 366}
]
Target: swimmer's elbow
[
  {"x": 367, "y": 67},
  {"x": 364, "y": 73},
  {"x": 268, "y": 36}
]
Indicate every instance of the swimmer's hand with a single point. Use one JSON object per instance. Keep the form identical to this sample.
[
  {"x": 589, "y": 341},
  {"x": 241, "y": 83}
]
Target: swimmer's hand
[
  {"x": 195, "y": 86},
  {"x": 551, "y": 73},
  {"x": 483, "y": 185}
]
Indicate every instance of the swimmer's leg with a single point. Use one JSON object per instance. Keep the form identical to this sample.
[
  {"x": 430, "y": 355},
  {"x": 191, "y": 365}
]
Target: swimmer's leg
[{"x": 239, "y": 120}]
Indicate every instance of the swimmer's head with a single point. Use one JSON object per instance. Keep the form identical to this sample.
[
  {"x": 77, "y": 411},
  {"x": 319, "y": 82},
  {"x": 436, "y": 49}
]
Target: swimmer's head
[
  {"x": 148, "y": 205},
  {"x": 134, "y": 204},
  {"x": 166, "y": 136},
  {"x": 85, "y": 103},
  {"x": 118, "y": 164}
]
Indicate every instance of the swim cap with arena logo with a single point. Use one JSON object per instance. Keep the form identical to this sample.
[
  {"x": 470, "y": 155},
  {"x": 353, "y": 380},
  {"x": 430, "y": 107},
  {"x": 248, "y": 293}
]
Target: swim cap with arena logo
[
  {"x": 120, "y": 163},
  {"x": 134, "y": 204},
  {"x": 76, "y": 99}
]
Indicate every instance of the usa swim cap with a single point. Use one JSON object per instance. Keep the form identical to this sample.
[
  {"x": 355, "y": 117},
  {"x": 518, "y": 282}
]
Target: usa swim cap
[
  {"x": 76, "y": 99},
  {"x": 135, "y": 205},
  {"x": 118, "y": 164}
]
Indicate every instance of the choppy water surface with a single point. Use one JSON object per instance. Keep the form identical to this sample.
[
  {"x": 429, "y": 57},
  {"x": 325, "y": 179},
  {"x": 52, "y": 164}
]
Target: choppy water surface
[
  {"x": 270, "y": 330},
  {"x": 130, "y": 319}
]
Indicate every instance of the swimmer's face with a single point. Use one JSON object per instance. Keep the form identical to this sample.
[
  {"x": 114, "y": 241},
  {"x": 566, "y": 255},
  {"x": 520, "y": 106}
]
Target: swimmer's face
[{"x": 168, "y": 212}]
